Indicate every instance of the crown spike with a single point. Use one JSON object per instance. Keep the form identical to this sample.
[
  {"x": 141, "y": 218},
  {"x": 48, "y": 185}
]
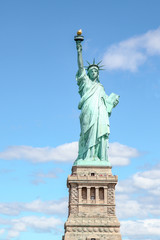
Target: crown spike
[
  {"x": 99, "y": 62},
  {"x": 94, "y": 65}
]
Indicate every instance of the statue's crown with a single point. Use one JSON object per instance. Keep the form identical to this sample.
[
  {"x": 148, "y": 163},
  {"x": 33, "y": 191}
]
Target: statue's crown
[{"x": 94, "y": 65}]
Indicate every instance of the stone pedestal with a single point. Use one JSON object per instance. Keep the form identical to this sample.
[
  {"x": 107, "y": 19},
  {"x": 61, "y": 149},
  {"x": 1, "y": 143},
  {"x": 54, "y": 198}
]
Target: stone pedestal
[{"x": 91, "y": 214}]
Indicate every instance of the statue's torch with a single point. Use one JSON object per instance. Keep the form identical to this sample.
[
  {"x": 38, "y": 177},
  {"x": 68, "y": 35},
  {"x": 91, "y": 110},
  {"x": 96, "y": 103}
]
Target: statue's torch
[{"x": 79, "y": 36}]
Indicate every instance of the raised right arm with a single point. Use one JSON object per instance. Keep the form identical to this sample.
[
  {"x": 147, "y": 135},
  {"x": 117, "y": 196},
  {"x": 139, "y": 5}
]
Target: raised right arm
[{"x": 79, "y": 57}]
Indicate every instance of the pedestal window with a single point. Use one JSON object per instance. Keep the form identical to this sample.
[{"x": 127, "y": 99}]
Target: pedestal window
[
  {"x": 84, "y": 193},
  {"x": 101, "y": 193},
  {"x": 92, "y": 193}
]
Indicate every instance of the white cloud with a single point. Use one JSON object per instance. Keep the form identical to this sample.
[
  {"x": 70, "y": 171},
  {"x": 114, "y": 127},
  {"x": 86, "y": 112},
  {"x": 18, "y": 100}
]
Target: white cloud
[
  {"x": 2, "y": 231},
  {"x": 131, "y": 53},
  {"x": 39, "y": 224},
  {"x": 149, "y": 180},
  {"x": 10, "y": 208},
  {"x": 138, "y": 196},
  {"x": 118, "y": 154},
  {"x": 63, "y": 153},
  {"x": 144, "y": 227},
  {"x": 12, "y": 234},
  {"x": 145, "y": 180},
  {"x": 132, "y": 206},
  {"x": 47, "y": 207},
  {"x": 37, "y": 206},
  {"x": 14, "y": 226},
  {"x": 128, "y": 207},
  {"x": 39, "y": 177}
]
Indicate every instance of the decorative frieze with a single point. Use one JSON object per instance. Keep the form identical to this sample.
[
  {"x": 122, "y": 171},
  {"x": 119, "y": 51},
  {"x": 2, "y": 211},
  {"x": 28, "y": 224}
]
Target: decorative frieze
[
  {"x": 111, "y": 190},
  {"x": 73, "y": 204},
  {"x": 111, "y": 210},
  {"x": 92, "y": 229},
  {"x": 74, "y": 194}
]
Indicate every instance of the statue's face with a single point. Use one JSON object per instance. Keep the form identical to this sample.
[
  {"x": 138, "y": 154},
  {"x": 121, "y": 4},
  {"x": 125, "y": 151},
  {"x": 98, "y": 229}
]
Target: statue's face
[{"x": 93, "y": 74}]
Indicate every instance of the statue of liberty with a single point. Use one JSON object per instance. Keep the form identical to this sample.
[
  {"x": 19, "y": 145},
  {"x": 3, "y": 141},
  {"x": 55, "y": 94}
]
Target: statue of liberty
[{"x": 96, "y": 108}]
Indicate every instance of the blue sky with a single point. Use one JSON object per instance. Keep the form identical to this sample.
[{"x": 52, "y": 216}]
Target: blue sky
[{"x": 39, "y": 121}]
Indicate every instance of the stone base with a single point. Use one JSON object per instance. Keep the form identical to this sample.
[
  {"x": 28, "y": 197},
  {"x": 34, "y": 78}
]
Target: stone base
[{"x": 92, "y": 204}]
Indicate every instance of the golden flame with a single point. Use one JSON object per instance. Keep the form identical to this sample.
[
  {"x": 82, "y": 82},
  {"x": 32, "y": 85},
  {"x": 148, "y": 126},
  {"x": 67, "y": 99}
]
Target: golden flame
[{"x": 79, "y": 32}]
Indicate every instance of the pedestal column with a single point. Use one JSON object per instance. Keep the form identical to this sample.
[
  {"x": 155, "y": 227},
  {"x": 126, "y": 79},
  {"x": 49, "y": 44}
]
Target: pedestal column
[
  {"x": 88, "y": 194},
  {"x": 105, "y": 195},
  {"x": 79, "y": 194},
  {"x": 97, "y": 194}
]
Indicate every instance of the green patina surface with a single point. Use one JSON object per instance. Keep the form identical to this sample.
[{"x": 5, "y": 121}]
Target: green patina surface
[{"x": 96, "y": 107}]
